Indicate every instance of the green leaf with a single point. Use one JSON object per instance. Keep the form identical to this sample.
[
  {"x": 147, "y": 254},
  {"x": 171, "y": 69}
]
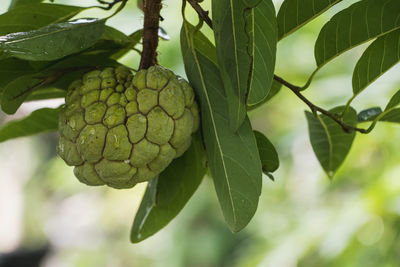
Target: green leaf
[
  {"x": 329, "y": 142},
  {"x": 133, "y": 39},
  {"x": 262, "y": 29},
  {"x": 394, "y": 101},
  {"x": 167, "y": 194},
  {"x": 234, "y": 58},
  {"x": 233, "y": 157},
  {"x": 13, "y": 68},
  {"x": 392, "y": 116},
  {"x": 378, "y": 58},
  {"x": 46, "y": 93},
  {"x": 268, "y": 155},
  {"x": 73, "y": 67},
  {"x": 17, "y": 3},
  {"x": 77, "y": 62},
  {"x": 115, "y": 43},
  {"x": 391, "y": 110},
  {"x": 293, "y": 14},
  {"x": 39, "y": 121},
  {"x": 34, "y": 16},
  {"x": 113, "y": 34},
  {"x": 355, "y": 25},
  {"x": 368, "y": 114},
  {"x": 275, "y": 88},
  {"x": 16, "y": 91},
  {"x": 54, "y": 41},
  {"x": 111, "y": 40},
  {"x": 56, "y": 75},
  {"x": 136, "y": 36}
]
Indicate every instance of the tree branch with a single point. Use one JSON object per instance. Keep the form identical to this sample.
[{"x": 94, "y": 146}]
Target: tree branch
[
  {"x": 151, "y": 11},
  {"x": 201, "y": 12},
  {"x": 296, "y": 90}
]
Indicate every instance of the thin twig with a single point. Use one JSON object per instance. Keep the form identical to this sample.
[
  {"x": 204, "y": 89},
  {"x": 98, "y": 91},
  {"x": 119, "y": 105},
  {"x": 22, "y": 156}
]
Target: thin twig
[
  {"x": 201, "y": 12},
  {"x": 296, "y": 90},
  {"x": 151, "y": 11}
]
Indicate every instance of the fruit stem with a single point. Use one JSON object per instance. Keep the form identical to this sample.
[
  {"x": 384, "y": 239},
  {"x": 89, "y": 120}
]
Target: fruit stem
[{"x": 151, "y": 11}]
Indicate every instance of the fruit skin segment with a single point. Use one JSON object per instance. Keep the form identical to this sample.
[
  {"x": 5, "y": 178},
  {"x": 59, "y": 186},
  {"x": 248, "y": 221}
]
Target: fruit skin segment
[{"x": 120, "y": 129}]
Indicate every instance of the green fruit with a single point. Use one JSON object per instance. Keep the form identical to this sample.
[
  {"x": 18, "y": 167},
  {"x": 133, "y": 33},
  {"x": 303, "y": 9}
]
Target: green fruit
[{"x": 121, "y": 129}]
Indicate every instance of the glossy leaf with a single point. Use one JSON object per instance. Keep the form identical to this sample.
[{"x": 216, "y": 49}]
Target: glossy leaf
[
  {"x": 234, "y": 59},
  {"x": 39, "y": 121},
  {"x": 392, "y": 115},
  {"x": 355, "y": 25},
  {"x": 33, "y": 16},
  {"x": 369, "y": 114},
  {"x": 163, "y": 34},
  {"x": 268, "y": 155},
  {"x": 329, "y": 142},
  {"x": 232, "y": 155},
  {"x": 262, "y": 29},
  {"x": 167, "y": 194},
  {"x": 293, "y": 14},
  {"x": 54, "y": 41},
  {"x": 379, "y": 57}
]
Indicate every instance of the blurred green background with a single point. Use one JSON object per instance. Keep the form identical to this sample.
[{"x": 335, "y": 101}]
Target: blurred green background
[{"x": 303, "y": 219}]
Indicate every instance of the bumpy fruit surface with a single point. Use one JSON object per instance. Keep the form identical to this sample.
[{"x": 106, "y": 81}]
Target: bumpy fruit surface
[{"x": 121, "y": 129}]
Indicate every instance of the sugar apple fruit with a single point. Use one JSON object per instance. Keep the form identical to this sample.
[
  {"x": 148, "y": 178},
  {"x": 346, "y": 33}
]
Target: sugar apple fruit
[{"x": 121, "y": 129}]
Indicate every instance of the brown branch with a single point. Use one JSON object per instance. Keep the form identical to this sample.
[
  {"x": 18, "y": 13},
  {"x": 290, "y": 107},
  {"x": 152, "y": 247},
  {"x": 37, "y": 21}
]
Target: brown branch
[
  {"x": 201, "y": 12},
  {"x": 296, "y": 90},
  {"x": 151, "y": 11}
]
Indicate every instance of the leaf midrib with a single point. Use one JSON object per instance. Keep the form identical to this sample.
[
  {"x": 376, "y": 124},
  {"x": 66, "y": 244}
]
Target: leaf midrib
[
  {"x": 236, "y": 61},
  {"x": 212, "y": 120},
  {"x": 252, "y": 67},
  {"x": 328, "y": 136}
]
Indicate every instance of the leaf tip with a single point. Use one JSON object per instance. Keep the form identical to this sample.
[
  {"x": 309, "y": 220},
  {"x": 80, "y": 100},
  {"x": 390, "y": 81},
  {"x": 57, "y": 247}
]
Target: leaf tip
[
  {"x": 330, "y": 174},
  {"x": 135, "y": 237},
  {"x": 269, "y": 175}
]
